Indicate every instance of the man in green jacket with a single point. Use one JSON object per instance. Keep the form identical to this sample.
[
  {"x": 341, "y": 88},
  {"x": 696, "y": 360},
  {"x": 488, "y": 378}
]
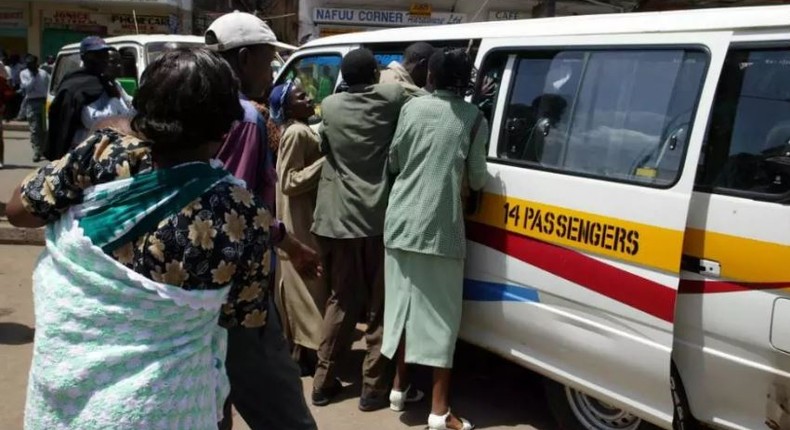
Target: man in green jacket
[{"x": 356, "y": 134}]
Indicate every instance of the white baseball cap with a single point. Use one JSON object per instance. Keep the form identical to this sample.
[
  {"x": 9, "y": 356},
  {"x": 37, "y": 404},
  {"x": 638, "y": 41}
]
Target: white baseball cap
[{"x": 237, "y": 29}]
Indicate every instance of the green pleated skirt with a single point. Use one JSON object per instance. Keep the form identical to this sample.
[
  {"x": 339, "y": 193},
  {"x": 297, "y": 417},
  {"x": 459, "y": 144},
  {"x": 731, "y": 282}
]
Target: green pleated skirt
[{"x": 423, "y": 300}]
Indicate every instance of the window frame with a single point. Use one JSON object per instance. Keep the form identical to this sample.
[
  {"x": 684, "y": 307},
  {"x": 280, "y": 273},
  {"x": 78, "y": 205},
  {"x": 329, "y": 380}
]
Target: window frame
[
  {"x": 516, "y": 52},
  {"x": 783, "y": 198}
]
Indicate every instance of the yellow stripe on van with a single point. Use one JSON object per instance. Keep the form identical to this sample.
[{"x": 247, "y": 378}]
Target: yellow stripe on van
[
  {"x": 643, "y": 244},
  {"x": 741, "y": 259}
]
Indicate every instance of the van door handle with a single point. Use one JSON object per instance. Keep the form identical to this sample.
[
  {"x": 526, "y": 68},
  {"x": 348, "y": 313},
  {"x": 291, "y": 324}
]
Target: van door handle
[{"x": 702, "y": 266}]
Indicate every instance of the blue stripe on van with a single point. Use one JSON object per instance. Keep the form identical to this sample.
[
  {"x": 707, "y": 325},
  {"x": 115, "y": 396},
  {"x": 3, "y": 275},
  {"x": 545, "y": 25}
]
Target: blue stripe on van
[{"x": 480, "y": 291}]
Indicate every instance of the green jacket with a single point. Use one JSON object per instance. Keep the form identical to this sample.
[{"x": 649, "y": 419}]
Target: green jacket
[
  {"x": 356, "y": 134},
  {"x": 432, "y": 150}
]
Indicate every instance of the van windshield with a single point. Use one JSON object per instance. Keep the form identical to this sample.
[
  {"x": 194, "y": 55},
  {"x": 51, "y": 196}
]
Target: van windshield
[{"x": 154, "y": 50}]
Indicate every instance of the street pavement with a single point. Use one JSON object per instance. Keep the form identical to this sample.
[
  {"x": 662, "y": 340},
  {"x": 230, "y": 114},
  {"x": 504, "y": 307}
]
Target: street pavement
[{"x": 491, "y": 392}]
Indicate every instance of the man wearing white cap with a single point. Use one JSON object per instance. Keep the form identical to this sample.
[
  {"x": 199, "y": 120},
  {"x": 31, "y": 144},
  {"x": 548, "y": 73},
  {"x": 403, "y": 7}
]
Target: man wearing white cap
[{"x": 265, "y": 382}]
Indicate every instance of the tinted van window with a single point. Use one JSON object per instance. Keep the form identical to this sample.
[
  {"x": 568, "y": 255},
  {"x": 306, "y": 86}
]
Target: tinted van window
[
  {"x": 748, "y": 145},
  {"x": 622, "y": 115}
]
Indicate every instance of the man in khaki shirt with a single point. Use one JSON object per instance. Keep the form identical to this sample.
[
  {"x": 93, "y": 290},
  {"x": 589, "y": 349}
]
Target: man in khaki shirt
[
  {"x": 413, "y": 73},
  {"x": 356, "y": 134}
]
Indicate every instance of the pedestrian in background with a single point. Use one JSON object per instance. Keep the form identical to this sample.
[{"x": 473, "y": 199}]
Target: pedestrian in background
[
  {"x": 264, "y": 382},
  {"x": 6, "y": 95},
  {"x": 49, "y": 64},
  {"x": 71, "y": 115},
  {"x": 301, "y": 300},
  {"x": 34, "y": 83},
  {"x": 439, "y": 146},
  {"x": 356, "y": 134}
]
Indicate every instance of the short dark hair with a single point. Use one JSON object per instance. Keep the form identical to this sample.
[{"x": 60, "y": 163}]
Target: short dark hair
[
  {"x": 30, "y": 59},
  {"x": 451, "y": 70},
  {"x": 187, "y": 97},
  {"x": 417, "y": 52},
  {"x": 359, "y": 67}
]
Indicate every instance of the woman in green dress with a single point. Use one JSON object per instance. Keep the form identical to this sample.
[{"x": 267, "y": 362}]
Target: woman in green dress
[{"x": 438, "y": 146}]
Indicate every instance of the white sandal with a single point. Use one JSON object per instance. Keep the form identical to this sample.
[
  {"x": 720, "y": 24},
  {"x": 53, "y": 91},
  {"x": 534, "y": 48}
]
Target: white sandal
[
  {"x": 398, "y": 399},
  {"x": 439, "y": 422}
]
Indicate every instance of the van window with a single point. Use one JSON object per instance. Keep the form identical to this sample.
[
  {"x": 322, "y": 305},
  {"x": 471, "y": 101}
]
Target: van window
[
  {"x": 65, "y": 64},
  {"x": 621, "y": 115},
  {"x": 317, "y": 75},
  {"x": 748, "y": 144},
  {"x": 129, "y": 74}
]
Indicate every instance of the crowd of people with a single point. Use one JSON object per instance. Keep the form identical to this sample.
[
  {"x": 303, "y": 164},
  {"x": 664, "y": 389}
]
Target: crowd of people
[{"x": 206, "y": 246}]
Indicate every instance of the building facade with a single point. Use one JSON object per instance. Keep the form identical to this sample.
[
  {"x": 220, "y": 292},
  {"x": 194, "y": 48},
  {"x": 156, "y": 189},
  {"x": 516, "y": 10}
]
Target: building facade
[
  {"x": 43, "y": 27},
  {"x": 318, "y": 18}
]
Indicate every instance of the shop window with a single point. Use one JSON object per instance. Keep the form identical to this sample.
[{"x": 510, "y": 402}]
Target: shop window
[
  {"x": 64, "y": 65},
  {"x": 317, "y": 75},
  {"x": 621, "y": 115},
  {"x": 747, "y": 150}
]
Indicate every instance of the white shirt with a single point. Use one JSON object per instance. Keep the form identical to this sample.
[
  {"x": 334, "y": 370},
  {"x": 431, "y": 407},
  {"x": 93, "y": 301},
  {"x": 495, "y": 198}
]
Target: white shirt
[
  {"x": 34, "y": 86},
  {"x": 104, "y": 107},
  {"x": 5, "y": 71}
]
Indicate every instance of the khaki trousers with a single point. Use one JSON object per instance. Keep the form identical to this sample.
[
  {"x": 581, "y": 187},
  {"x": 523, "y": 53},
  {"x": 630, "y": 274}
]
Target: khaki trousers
[{"x": 355, "y": 269}]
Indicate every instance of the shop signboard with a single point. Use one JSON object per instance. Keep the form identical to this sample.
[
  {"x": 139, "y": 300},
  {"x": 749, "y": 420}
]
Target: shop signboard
[
  {"x": 508, "y": 15},
  {"x": 106, "y": 24},
  {"x": 383, "y": 18},
  {"x": 172, "y": 3},
  {"x": 146, "y": 24},
  {"x": 12, "y": 18}
]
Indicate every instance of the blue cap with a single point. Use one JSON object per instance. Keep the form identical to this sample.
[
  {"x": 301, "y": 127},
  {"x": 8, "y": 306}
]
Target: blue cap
[{"x": 93, "y": 43}]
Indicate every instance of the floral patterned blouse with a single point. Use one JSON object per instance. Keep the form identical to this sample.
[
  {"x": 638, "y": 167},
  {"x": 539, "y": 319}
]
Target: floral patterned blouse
[{"x": 220, "y": 238}]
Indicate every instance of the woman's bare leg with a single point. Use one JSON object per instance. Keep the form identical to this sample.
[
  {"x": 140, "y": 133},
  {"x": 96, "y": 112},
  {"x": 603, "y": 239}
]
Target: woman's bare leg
[
  {"x": 401, "y": 381},
  {"x": 441, "y": 396}
]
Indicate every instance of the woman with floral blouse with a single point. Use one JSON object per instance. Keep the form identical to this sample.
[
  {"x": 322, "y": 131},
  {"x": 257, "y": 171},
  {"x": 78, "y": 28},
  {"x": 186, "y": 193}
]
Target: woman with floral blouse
[{"x": 147, "y": 238}]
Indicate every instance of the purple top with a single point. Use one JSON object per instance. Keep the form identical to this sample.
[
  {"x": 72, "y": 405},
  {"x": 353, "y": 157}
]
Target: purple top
[{"x": 247, "y": 156}]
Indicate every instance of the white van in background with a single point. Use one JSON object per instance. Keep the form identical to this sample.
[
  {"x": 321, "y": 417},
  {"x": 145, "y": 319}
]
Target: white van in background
[
  {"x": 633, "y": 241},
  {"x": 137, "y": 51}
]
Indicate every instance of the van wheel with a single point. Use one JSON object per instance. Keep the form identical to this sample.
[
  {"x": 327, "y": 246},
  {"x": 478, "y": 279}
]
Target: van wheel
[
  {"x": 682, "y": 420},
  {"x": 575, "y": 410}
]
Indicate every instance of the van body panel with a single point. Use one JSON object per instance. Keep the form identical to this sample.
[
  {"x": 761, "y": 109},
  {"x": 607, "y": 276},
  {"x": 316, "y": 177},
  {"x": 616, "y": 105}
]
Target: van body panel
[
  {"x": 730, "y": 334},
  {"x": 708, "y": 285}
]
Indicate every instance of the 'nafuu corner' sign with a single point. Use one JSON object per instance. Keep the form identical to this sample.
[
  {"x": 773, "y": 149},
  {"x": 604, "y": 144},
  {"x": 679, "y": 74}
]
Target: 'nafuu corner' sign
[{"x": 384, "y": 18}]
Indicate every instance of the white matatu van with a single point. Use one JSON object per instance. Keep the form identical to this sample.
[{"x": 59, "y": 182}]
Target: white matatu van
[
  {"x": 633, "y": 240},
  {"x": 137, "y": 51}
]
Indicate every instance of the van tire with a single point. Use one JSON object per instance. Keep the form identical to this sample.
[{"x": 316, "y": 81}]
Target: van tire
[
  {"x": 574, "y": 410},
  {"x": 682, "y": 419}
]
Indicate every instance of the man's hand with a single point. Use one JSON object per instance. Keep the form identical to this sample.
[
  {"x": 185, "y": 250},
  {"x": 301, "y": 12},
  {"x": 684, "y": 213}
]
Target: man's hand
[{"x": 304, "y": 258}]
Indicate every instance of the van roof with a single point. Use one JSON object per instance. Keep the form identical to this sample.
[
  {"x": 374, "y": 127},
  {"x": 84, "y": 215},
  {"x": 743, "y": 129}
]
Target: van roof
[
  {"x": 733, "y": 18},
  {"x": 142, "y": 39}
]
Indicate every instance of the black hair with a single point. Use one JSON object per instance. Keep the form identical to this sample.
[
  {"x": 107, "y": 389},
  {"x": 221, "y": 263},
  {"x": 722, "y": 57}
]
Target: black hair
[
  {"x": 451, "y": 70},
  {"x": 30, "y": 59},
  {"x": 417, "y": 52},
  {"x": 359, "y": 67},
  {"x": 187, "y": 97}
]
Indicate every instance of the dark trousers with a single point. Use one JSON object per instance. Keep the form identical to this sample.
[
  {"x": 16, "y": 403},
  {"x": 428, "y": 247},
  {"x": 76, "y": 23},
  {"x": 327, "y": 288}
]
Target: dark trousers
[
  {"x": 355, "y": 270},
  {"x": 265, "y": 383}
]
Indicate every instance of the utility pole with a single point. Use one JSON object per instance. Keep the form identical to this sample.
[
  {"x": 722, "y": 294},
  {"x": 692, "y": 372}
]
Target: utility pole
[{"x": 546, "y": 8}]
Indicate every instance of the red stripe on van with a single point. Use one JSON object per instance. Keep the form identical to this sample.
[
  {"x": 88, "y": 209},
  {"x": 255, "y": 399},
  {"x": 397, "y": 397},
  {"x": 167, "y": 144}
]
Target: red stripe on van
[
  {"x": 625, "y": 287},
  {"x": 695, "y": 286}
]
